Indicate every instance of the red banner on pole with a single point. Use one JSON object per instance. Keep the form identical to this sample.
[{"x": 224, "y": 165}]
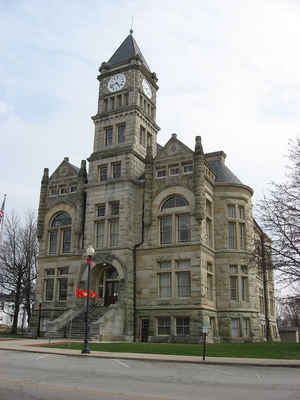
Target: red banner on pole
[{"x": 80, "y": 294}]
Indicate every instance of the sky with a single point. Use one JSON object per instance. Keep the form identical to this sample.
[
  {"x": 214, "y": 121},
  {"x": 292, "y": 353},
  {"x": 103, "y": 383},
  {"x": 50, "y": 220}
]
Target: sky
[{"x": 228, "y": 71}]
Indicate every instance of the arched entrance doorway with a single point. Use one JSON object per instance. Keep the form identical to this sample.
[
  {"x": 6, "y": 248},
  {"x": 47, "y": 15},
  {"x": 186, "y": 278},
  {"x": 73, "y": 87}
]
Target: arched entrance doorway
[{"x": 108, "y": 284}]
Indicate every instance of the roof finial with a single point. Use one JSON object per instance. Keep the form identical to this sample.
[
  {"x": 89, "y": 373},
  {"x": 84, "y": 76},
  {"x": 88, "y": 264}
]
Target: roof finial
[{"x": 131, "y": 30}]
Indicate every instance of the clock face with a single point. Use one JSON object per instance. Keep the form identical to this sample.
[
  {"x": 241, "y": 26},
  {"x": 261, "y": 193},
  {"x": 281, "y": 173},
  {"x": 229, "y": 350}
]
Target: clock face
[
  {"x": 146, "y": 88},
  {"x": 116, "y": 82}
]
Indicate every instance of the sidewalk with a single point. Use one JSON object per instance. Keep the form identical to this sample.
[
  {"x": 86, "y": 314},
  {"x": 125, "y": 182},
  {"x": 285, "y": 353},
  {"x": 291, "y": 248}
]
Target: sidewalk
[{"x": 33, "y": 345}]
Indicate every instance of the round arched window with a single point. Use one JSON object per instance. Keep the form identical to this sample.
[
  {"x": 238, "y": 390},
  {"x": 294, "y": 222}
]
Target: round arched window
[{"x": 60, "y": 234}]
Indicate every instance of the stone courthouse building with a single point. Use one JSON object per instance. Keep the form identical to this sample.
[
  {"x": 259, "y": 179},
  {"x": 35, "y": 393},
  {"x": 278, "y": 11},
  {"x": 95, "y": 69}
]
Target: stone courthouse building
[{"x": 172, "y": 229}]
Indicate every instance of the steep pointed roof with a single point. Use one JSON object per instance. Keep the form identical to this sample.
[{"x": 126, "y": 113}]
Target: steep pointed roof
[{"x": 127, "y": 50}]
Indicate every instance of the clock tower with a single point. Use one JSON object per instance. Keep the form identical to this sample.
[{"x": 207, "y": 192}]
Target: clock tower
[{"x": 125, "y": 123}]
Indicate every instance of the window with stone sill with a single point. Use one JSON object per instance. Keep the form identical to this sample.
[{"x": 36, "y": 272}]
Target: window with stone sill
[
  {"x": 112, "y": 103},
  {"x": 108, "y": 136},
  {"x": 188, "y": 168},
  {"x": 161, "y": 173},
  {"x": 236, "y": 227},
  {"x": 210, "y": 282},
  {"x": 235, "y": 327},
  {"x": 121, "y": 133},
  {"x": 239, "y": 283},
  {"x": 100, "y": 210},
  {"x": 174, "y": 274},
  {"x": 174, "y": 170},
  {"x": 246, "y": 327},
  {"x": 175, "y": 228},
  {"x": 182, "y": 326},
  {"x": 103, "y": 173},
  {"x": 105, "y": 105},
  {"x": 163, "y": 325},
  {"x": 60, "y": 234},
  {"x": 56, "y": 284},
  {"x": 116, "y": 170},
  {"x": 142, "y": 136}
]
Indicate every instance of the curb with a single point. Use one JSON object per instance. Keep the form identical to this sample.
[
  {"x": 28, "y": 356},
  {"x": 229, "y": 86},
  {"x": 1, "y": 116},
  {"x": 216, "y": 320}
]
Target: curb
[{"x": 159, "y": 358}]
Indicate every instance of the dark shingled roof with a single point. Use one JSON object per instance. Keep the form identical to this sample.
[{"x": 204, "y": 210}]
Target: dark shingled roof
[
  {"x": 127, "y": 49},
  {"x": 223, "y": 173}
]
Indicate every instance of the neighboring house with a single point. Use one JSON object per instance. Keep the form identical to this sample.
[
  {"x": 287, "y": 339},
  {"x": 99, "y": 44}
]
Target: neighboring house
[
  {"x": 172, "y": 228},
  {"x": 7, "y": 308}
]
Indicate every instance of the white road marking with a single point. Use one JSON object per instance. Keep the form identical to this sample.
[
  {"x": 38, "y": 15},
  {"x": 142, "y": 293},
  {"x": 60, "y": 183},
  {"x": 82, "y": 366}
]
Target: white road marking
[
  {"x": 39, "y": 358},
  {"x": 122, "y": 363}
]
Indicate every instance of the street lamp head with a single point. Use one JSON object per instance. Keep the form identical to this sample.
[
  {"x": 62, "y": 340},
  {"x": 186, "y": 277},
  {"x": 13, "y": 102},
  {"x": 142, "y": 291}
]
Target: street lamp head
[{"x": 90, "y": 251}]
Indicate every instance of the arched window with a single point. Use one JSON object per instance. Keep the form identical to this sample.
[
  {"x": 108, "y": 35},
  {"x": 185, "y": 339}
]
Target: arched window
[
  {"x": 174, "y": 201},
  {"x": 60, "y": 234},
  {"x": 175, "y": 226}
]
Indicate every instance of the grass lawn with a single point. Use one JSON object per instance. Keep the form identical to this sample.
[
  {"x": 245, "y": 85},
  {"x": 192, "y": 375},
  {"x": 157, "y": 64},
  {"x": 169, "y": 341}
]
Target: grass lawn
[{"x": 289, "y": 351}]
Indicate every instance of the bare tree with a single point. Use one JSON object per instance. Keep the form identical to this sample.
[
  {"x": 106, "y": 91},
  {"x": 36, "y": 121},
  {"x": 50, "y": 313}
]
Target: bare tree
[
  {"x": 18, "y": 254},
  {"x": 279, "y": 214}
]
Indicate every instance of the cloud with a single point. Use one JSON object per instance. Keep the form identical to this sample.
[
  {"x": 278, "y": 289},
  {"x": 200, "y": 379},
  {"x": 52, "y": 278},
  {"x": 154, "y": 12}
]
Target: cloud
[{"x": 228, "y": 71}]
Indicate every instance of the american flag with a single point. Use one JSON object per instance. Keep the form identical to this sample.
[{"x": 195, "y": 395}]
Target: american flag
[{"x": 2, "y": 210}]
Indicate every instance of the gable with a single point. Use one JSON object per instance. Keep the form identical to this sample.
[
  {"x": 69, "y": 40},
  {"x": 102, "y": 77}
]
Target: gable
[
  {"x": 174, "y": 148},
  {"x": 65, "y": 170}
]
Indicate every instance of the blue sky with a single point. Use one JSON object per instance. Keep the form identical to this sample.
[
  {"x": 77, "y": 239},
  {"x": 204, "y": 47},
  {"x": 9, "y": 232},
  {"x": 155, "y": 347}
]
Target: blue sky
[{"x": 228, "y": 71}]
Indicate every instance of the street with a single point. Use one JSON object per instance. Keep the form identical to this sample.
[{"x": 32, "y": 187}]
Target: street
[{"x": 30, "y": 376}]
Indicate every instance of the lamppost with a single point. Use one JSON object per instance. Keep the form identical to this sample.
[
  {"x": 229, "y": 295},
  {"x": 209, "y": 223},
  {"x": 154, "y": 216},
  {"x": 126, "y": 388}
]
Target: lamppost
[{"x": 90, "y": 252}]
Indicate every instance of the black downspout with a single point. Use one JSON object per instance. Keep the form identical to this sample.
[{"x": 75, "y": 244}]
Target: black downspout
[
  {"x": 83, "y": 218},
  {"x": 134, "y": 273},
  {"x": 264, "y": 271}
]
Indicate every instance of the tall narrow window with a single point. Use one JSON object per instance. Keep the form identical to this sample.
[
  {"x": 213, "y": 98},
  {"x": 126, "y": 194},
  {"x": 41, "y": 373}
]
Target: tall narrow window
[
  {"x": 235, "y": 327},
  {"x": 112, "y": 103},
  {"x": 105, "y": 102},
  {"x": 183, "y": 284},
  {"x": 53, "y": 242},
  {"x": 242, "y": 236},
  {"x": 209, "y": 238},
  {"x": 114, "y": 232},
  {"x": 241, "y": 210},
  {"x": 116, "y": 170},
  {"x": 60, "y": 234},
  {"x": 165, "y": 288},
  {"x": 119, "y": 100},
  {"x": 142, "y": 136},
  {"x": 149, "y": 139},
  {"x": 66, "y": 247},
  {"x": 231, "y": 235},
  {"x": 184, "y": 231},
  {"x": 126, "y": 99},
  {"x": 100, "y": 229},
  {"x": 166, "y": 229},
  {"x": 103, "y": 173},
  {"x": 246, "y": 327},
  {"x": 49, "y": 289},
  {"x": 210, "y": 287},
  {"x": 231, "y": 211},
  {"x": 234, "y": 288},
  {"x": 108, "y": 136},
  {"x": 121, "y": 133},
  {"x": 62, "y": 289},
  {"x": 245, "y": 288}
]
